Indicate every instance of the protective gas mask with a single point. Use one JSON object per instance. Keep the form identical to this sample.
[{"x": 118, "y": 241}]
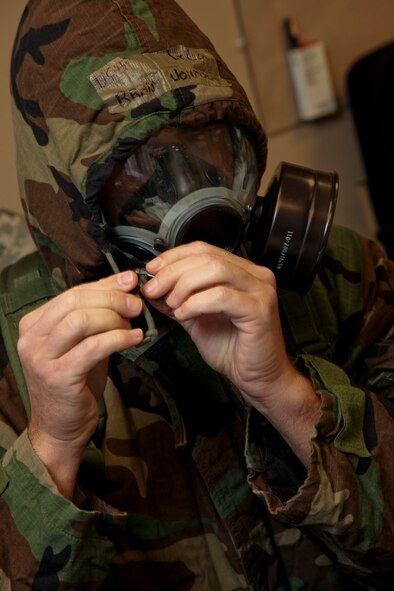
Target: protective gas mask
[{"x": 200, "y": 183}]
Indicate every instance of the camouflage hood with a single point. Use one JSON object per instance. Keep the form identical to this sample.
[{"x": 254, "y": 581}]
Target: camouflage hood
[{"x": 90, "y": 80}]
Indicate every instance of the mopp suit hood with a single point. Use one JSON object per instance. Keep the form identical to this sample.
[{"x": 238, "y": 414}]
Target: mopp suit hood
[{"x": 90, "y": 81}]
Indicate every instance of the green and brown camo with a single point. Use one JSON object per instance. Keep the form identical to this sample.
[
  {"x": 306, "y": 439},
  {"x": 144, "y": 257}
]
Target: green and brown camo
[{"x": 183, "y": 488}]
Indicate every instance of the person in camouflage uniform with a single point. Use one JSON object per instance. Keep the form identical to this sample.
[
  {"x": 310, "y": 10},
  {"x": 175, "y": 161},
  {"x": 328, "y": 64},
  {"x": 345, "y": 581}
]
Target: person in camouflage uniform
[{"x": 144, "y": 467}]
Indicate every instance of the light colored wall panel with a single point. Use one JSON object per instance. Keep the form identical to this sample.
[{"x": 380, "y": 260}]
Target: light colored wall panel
[
  {"x": 349, "y": 28},
  {"x": 10, "y": 12}
]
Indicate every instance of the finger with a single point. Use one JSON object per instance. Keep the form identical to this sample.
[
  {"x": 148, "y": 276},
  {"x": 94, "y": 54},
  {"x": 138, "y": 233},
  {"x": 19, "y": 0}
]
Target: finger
[
  {"x": 227, "y": 301},
  {"x": 80, "y": 325},
  {"x": 124, "y": 282},
  {"x": 90, "y": 351},
  {"x": 199, "y": 272},
  {"x": 126, "y": 305},
  {"x": 186, "y": 251},
  {"x": 173, "y": 255},
  {"x": 218, "y": 272},
  {"x": 55, "y": 373}
]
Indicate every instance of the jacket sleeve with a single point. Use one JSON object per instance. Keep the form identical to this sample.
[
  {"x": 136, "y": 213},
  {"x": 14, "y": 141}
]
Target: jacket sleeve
[
  {"x": 345, "y": 501},
  {"x": 56, "y": 540}
]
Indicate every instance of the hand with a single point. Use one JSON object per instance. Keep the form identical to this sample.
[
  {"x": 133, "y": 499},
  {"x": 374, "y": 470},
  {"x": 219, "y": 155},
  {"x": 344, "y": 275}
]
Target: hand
[
  {"x": 64, "y": 347},
  {"x": 229, "y": 307}
]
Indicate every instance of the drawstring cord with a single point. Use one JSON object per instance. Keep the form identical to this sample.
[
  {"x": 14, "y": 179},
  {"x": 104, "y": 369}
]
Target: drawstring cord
[{"x": 143, "y": 276}]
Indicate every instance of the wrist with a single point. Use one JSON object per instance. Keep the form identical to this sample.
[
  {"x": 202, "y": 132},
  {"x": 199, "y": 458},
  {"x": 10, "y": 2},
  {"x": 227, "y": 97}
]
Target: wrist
[
  {"x": 61, "y": 459},
  {"x": 293, "y": 411}
]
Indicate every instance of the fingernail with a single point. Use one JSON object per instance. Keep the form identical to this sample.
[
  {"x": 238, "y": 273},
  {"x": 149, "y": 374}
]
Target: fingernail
[
  {"x": 154, "y": 265},
  {"x": 150, "y": 286},
  {"x": 125, "y": 279}
]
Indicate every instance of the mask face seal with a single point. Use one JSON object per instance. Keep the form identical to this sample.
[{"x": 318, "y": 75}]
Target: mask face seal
[{"x": 182, "y": 184}]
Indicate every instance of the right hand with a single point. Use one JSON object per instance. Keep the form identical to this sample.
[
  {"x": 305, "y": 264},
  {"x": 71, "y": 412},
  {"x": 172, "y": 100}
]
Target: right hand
[{"x": 64, "y": 348}]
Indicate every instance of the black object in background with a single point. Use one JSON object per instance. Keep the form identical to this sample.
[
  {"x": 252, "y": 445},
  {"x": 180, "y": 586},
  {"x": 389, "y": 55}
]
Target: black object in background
[{"x": 371, "y": 93}]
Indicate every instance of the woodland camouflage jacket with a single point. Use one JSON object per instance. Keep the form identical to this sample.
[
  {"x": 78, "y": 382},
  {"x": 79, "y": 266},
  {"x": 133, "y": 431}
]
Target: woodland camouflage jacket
[{"x": 182, "y": 487}]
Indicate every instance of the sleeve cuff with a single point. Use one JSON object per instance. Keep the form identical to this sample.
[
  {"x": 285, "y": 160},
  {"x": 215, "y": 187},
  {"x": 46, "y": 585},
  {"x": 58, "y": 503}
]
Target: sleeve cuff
[
  {"x": 299, "y": 496},
  {"x": 34, "y": 498}
]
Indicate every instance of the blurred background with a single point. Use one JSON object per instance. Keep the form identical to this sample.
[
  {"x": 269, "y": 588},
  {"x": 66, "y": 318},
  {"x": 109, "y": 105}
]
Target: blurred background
[{"x": 250, "y": 36}]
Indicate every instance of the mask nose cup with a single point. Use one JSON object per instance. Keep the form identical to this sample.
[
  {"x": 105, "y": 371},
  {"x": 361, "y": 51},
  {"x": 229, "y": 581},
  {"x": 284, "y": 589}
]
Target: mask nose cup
[{"x": 291, "y": 224}]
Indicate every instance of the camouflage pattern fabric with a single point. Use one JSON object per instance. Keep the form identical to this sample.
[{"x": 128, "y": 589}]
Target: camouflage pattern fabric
[{"x": 182, "y": 487}]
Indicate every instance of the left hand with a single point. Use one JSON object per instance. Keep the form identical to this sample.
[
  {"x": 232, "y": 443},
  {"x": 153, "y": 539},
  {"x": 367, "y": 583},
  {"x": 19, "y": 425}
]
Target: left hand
[{"x": 229, "y": 306}]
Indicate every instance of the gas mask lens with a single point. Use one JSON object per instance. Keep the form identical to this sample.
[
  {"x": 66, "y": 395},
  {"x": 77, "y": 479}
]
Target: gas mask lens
[
  {"x": 183, "y": 184},
  {"x": 200, "y": 183}
]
